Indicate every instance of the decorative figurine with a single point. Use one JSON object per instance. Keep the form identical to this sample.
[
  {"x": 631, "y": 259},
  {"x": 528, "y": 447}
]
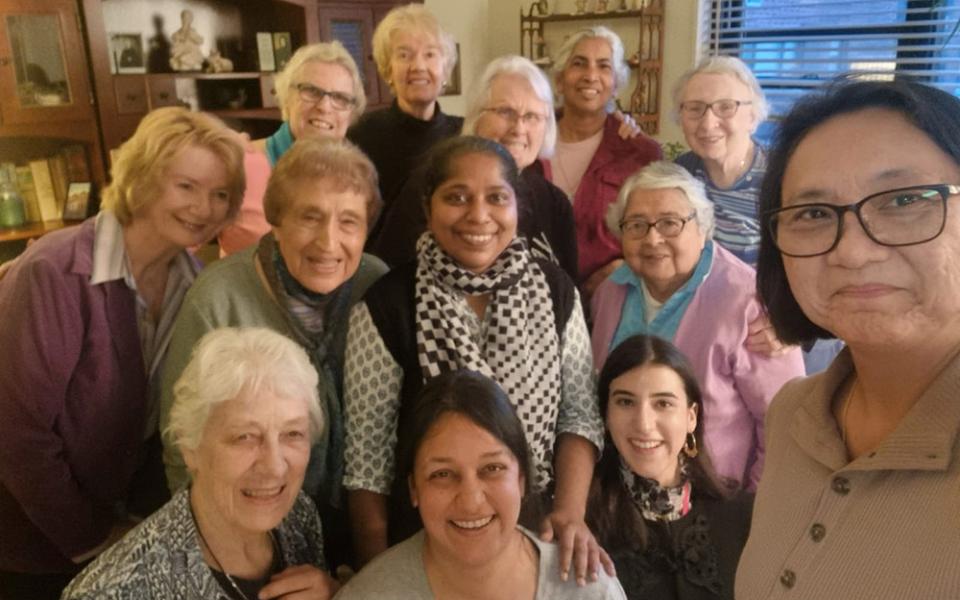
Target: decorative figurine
[
  {"x": 217, "y": 63},
  {"x": 185, "y": 54},
  {"x": 602, "y": 6},
  {"x": 581, "y": 7},
  {"x": 542, "y": 7}
]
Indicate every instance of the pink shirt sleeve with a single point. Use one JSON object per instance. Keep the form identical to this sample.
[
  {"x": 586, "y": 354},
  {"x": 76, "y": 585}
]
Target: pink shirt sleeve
[{"x": 250, "y": 224}]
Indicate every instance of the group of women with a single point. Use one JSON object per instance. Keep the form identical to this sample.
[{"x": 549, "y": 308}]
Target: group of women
[{"x": 441, "y": 422}]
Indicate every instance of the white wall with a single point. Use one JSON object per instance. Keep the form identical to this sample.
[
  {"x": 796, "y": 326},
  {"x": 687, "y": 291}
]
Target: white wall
[{"x": 486, "y": 29}]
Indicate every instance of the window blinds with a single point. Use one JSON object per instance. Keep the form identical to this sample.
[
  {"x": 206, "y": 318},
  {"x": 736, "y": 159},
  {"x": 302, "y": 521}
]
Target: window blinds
[{"x": 795, "y": 45}]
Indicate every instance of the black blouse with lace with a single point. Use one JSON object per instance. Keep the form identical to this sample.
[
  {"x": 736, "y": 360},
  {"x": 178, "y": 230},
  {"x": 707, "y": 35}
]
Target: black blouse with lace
[{"x": 692, "y": 558}]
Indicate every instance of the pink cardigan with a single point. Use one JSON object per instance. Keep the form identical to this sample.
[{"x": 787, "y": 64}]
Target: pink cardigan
[
  {"x": 250, "y": 224},
  {"x": 737, "y": 385}
]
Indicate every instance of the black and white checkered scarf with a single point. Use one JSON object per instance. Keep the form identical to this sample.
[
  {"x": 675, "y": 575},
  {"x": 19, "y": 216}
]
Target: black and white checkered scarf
[{"x": 522, "y": 348}]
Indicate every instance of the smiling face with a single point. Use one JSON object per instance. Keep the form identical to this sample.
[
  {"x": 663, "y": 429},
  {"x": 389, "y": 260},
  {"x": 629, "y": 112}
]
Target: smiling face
[
  {"x": 468, "y": 487},
  {"x": 867, "y": 294},
  {"x": 416, "y": 69},
  {"x": 711, "y": 137},
  {"x": 193, "y": 200},
  {"x": 250, "y": 464},
  {"x": 321, "y": 233},
  {"x": 321, "y": 119},
  {"x": 587, "y": 82},
  {"x": 663, "y": 263},
  {"x": 473, "y": 214},
  {"x": 649, "y": 417},
  {"x": 523, "y": 139}
]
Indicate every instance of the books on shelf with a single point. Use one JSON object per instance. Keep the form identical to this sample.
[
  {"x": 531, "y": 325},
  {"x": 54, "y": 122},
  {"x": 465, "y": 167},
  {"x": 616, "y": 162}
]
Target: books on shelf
[
  {"x": 44, "y": 183},
  {"x": 274, "y": 50}
]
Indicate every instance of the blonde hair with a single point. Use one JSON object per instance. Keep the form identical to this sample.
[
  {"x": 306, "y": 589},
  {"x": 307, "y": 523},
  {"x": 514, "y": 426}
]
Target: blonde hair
[
  {"x": 725, "y": 65},
  {"x": 324, "y": 52},
  {"x": 142, "y": 161},
  {"x": 316, "y": 158},
  {"x": 231, "y": 361},
  {"x": 411, "y": 17},
  {"x": 522, "y": 67}
]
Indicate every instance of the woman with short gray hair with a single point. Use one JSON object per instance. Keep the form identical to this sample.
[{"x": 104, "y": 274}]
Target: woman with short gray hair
[
  {"x": 246, "y": 410},
  {"x": 678, "y": 284}
]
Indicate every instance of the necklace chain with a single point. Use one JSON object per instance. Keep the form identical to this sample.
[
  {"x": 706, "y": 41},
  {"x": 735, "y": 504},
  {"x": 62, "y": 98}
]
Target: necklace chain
[{"x": 216, "y": 562}]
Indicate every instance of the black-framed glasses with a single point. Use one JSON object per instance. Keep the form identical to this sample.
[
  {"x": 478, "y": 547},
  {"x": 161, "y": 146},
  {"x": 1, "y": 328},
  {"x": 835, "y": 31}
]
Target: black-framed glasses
[
  {"x": 637, "y": 228},
  {"x": 511, "y": 116},
  {"x": 898, "y": 217},
  {"x": 724, "y": 108},
  {"x": 314, "y": 95}
]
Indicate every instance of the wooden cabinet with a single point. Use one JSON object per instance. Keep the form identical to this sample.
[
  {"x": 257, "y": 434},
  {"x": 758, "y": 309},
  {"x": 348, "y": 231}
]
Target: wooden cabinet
[
  {"x": 353, "y": 23},
  {"x": 245, "y": 97}
]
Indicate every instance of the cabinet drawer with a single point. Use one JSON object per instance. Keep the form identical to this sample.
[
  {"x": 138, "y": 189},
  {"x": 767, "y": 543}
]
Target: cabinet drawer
[
  {"x": 163, "y": 92},
  {"x": 131, "y": 94}
]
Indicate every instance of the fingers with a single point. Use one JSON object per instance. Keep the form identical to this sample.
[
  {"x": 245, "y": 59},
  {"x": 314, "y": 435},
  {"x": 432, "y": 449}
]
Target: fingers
[
  {"x": 300, "y": 582},
  {"x": 566, "y": 542},
  {"x": 607, "y": 563},
  {"x": 546, "y": 530}
]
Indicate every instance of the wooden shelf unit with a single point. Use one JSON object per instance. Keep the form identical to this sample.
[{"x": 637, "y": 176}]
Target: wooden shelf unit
[{"x": 645, "y": 61}]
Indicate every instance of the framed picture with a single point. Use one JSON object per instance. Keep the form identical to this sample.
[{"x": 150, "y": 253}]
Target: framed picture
[
  {"x": 282, "y": 48},
  {"x": 453, "y": 87},
  {"x": 265, "y": 51},
  {"x": 78, "y": 200},
  {"x": 127, "y": 52}
]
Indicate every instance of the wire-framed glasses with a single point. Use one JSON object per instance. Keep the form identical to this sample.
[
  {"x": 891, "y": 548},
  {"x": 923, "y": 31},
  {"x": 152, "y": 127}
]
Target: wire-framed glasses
[
  {"x": 636, "y": 228},
  {"x": 530, "y": 119},
  {"x": 898, "y": 217},
  {"x": 314, "y": 95},
  {"x": 724, "y": 108}
]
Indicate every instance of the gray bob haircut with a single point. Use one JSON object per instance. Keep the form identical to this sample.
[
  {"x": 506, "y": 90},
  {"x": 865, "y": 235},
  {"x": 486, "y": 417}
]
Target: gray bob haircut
[
  {"x": 512, "y": 65},
  {"x": 661, "y": 175},
  {"x": 725, "y": 65},
  {"x": 324, "y": 52},
  {"x": 621, "y": 72},
  {"x": 229, "y": 362}
]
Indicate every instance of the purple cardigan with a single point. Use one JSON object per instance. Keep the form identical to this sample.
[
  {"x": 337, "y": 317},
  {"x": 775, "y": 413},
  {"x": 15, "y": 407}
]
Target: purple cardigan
[
  {"x": 737, "y": 384},
  {"x": 72, "y": 403}
]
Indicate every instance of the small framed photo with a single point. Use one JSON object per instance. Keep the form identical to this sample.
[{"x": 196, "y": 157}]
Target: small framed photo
[
  {"x": 282, "y": 49},
  {"x": 78, "y": 201},
  {"x": 127, "y": 52}
]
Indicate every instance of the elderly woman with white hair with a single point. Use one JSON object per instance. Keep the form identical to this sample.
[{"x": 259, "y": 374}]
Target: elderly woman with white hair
[
  {"x": 679, "y": 285},
  {"x": 591, "y": 159},
  {"x": 416, "y": 57},
  {"x": 512, "y": 104},
  {"x": 320, "y": 94},
  {"x": 720, "y": 104},
  {"x": 246, "y": 410}
]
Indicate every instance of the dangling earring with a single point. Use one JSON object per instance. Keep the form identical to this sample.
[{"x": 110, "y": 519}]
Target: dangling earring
[{"x": 690, "y": 447}]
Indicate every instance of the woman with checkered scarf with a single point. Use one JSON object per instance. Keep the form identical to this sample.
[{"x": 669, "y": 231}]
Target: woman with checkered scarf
[{"x": 475, "y": 298}]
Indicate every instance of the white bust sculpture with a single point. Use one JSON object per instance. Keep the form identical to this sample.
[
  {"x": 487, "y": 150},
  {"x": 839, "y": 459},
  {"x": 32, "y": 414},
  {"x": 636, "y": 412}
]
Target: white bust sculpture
[{"x": 185, "y": 53}]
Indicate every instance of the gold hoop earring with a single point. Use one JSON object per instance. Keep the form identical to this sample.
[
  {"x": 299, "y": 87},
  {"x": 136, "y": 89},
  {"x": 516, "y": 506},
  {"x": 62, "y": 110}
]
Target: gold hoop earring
[{"x": 690, "y": 446}]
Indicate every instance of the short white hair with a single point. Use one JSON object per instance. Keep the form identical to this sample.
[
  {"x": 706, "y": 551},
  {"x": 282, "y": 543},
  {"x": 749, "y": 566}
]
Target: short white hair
[
  {"x": 522, "y": 67},
  {"x": 621, "y": 72},
  {"x": 662, "y": 175},
  {"x": 725, "y": 65},
  {"x": 229, "y": 362},
  {"x": 324, "y": 52},
  {"x": 411, "y": 18}
]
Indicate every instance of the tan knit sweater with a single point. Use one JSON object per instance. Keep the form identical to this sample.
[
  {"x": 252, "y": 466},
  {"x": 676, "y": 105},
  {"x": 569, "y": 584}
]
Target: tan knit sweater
[{"x": 885, "y": 526}]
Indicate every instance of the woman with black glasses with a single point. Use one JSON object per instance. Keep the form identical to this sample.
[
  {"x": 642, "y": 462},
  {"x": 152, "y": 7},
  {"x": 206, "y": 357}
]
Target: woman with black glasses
[
  {"x": 862, "y": 242},
  {"x": 677, "y": 283}
]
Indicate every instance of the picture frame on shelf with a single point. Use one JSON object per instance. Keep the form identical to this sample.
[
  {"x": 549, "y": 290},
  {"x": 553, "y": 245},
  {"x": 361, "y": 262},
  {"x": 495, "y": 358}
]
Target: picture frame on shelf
[
  {"x": 78, "y": 201},
  {"x": 126, "y": 51},
  {"x": 265, "y": 61},
  {"x": 454, "y": 87},
  {"x": 282, "y": 49}
]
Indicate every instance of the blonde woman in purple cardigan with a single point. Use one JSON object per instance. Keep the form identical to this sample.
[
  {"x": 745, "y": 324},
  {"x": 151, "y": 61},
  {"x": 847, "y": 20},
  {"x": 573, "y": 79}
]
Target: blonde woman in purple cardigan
[{"x": 676, "y": 283}]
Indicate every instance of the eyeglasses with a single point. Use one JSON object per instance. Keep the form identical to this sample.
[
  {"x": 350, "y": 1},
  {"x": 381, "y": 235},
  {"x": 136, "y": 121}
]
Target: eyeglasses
[
  {"x": 899, "y": 217},
  {"x": 530, "y": 119},
  {"x": 314, "y": 95},
  {"x": 668, "y": 227},
  {"x": 724, "y": 108}
]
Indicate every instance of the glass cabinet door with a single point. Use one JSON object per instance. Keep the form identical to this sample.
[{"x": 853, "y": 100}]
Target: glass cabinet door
[{"x": 42, "y": 63}]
